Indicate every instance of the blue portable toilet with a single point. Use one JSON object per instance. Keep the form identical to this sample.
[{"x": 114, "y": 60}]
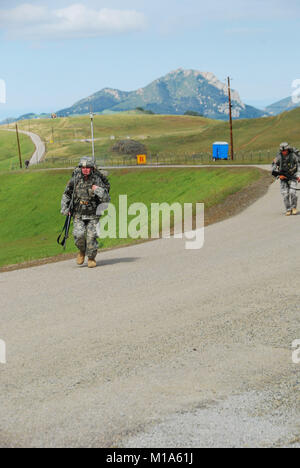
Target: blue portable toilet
[{"x": 220, "y": 150}]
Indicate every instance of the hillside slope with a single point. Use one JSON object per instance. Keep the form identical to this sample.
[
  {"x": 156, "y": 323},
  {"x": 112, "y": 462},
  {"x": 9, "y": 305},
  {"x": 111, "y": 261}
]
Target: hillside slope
[
  {"x": 165, "y": 134},
  {"x": 284, "y": 105},
  {"x": 9, "y": 149}
]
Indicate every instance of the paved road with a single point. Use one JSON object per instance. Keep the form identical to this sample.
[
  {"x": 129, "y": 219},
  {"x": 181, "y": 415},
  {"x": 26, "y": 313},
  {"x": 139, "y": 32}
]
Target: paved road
[
  {"x": 265, "y": 167},
  {"x": 159, "y": 346},
  {"x": 38, "y": 143}
]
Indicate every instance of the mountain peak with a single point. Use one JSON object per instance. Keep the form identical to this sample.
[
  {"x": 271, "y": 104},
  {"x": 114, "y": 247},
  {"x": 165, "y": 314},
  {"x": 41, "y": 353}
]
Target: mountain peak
[
  {"x": 182, "y": 71},
  {"x": 113, "y": 92},
  {"x": 175, "y": 93},
  {"x": 209, "y": 77}
]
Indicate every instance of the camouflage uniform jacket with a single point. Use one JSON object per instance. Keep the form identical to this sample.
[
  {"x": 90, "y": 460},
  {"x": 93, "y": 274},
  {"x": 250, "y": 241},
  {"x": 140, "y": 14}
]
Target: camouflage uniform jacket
[
  {"x": 288, "y": 164},
  {"x": 86, "y": 201}
]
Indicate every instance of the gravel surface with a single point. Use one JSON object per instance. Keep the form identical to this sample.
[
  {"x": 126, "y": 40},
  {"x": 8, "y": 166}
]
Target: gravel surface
[
  {"x": 159, "y": 345},
  {"x": 252, "y": 419}
]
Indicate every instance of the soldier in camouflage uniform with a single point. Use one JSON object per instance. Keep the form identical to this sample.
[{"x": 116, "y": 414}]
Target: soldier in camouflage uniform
[
  {"x": 91, "y": 191},
  {"x": 286, "y": 164}
]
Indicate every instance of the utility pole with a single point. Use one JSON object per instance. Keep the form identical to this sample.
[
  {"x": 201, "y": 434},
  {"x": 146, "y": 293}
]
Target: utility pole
[
  {"x": 19, "y": 147},
  {"x": 230, "y": 119},
  {"x": 92, "y": 128}
]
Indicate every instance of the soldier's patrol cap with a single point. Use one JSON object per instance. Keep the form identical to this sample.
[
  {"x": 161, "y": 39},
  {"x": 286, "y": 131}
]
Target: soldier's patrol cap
[{"x": 86, "y": 162}]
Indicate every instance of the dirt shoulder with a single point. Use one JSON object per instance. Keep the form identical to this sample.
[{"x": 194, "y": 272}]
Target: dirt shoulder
[
  {"x": 231, "y": 206},
  {"x": 234, "y": 204}
]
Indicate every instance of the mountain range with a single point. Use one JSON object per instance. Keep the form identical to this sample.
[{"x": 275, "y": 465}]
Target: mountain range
[
  {"x": 175, "y": 93},
  {"x": 284, "y": 105}
]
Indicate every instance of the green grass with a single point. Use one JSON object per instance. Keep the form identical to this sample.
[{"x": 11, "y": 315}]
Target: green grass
[
  {"x": 30, "y": 202},
  {"x": 137, "y": 126},
  {"x": 177, "y": 135},
  {"x": 250, "y": 135},
  {"x": 9, "y": 149}
]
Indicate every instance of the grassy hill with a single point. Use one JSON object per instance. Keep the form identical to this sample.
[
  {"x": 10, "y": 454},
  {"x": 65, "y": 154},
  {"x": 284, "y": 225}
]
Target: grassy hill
[
  {"x": 35, "y": 197},
  {"x": 177, "y": 135},
  {"x": 67, "y": 133},
  {"x": 249, "y": 135},
  {"x": 9, "y": 149}
]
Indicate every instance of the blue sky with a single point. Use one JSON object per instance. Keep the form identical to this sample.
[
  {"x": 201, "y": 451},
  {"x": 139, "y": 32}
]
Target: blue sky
[{"x": 55, "y": 53}]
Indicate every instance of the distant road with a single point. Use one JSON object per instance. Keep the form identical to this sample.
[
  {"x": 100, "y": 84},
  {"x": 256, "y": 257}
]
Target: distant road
[{"x": 40, "y": 148}]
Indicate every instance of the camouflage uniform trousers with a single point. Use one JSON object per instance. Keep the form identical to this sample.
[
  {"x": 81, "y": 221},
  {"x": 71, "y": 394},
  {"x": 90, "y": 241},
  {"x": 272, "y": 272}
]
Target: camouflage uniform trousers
[
  {"x": 289, "y": 193},
  {"x": 85, "y": 234}
]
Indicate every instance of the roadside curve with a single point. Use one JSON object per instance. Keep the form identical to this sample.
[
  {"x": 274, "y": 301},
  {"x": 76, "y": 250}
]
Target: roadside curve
[{"x": 40, "y": 148}]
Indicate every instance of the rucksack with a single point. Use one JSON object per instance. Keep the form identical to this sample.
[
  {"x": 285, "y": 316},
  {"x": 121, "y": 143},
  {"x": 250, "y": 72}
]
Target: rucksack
[{"x": 297, "y": 153}]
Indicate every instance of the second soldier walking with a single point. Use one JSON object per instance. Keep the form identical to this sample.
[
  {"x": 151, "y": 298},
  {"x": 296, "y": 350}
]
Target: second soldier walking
[{"x": 286, "y": 167}]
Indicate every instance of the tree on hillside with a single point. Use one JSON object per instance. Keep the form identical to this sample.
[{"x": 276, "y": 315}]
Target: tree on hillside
[
  {"x": 193, "y": 113},
  {"x": 141, "y": 109}
]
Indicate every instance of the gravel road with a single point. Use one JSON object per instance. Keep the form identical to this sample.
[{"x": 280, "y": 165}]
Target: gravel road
[{"x": 159, "y": 346}]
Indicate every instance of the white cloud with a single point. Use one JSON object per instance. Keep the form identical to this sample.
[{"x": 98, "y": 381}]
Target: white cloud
[
  {"x": 23, "y": 14},
  {"x": 77, "y": 20}
]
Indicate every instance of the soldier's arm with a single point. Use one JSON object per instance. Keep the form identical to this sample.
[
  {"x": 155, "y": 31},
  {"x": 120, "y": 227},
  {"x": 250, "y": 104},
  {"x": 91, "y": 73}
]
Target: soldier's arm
[
  {"x": 99, "y": 191},
  {"x": 102, "y": 188},
  {"x": 105, "y": 182},
  {"x": 275, "y": 165},
  {"x": 298, "y": 169},
  {"x": 66, "y": 198},
  {"x": 276, "y": 161}
]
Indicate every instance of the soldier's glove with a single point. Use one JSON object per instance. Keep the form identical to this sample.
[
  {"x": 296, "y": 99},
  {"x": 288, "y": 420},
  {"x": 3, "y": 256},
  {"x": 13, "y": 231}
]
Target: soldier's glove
[
  {"x": 64, "y": 212},
  {"x": 99, "y": 191},
  {"x": 282, "y": 177}
]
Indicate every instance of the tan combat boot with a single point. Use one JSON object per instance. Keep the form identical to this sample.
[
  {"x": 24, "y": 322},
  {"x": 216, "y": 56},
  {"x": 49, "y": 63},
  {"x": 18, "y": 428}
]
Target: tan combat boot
[
  {"x": 294, "y": 211},
  {"x": 92, "y": 263},
  {"x": 80, "y": 258},
  {"x": 288, "y": 213}
]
